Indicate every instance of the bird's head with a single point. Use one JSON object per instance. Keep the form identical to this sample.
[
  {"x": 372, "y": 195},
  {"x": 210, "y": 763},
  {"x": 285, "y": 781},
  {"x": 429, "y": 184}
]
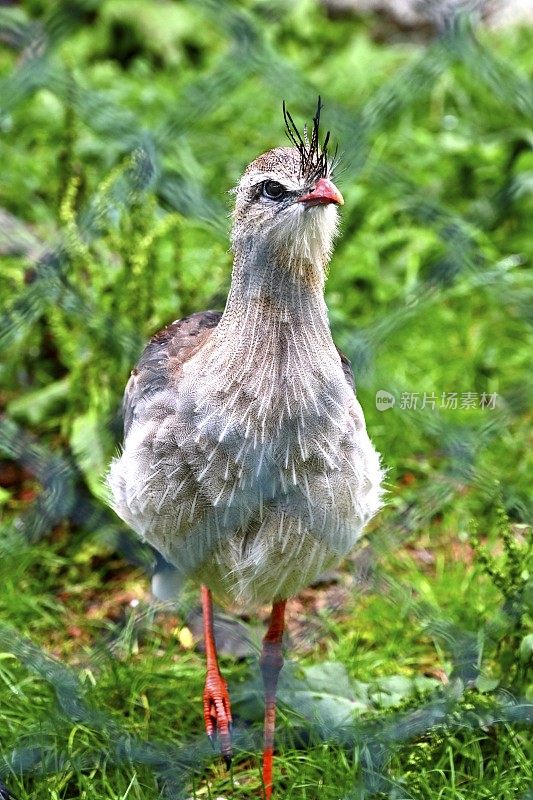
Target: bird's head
[{"x": 286, "y": 202}]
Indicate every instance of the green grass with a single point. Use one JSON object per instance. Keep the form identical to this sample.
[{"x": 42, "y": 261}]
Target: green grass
[
  {"x": 134, "y": 689},
  {"x": 409, "y": 677}
]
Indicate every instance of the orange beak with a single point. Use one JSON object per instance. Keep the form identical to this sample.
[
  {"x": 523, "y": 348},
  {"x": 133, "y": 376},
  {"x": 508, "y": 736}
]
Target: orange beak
[{"x": 324, "y": 192}]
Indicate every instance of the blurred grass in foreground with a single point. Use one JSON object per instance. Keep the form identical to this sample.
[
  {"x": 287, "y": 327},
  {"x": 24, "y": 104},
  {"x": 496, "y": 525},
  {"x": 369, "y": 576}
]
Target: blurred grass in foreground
[{"x": 123, "y": 126}]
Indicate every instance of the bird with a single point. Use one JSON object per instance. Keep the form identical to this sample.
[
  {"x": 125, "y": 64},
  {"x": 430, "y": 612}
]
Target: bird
[{"x": 246, "y": 462}]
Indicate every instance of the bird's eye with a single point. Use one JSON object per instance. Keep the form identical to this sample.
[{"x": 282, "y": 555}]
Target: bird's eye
[{"x": 273, "y": 190}]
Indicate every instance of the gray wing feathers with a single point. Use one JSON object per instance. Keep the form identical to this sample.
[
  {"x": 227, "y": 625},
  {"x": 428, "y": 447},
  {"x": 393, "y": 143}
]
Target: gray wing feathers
[
  {"x": 167, "y": 350},
  {"x": 162, "y": 358},
  {"x": 347, "y": 369}
]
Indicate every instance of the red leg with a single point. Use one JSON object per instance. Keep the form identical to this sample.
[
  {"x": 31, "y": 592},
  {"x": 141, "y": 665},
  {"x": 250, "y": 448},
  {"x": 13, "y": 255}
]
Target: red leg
[
  {"x": 271, "y": 664},
  {"x": 217, "y": 710}
]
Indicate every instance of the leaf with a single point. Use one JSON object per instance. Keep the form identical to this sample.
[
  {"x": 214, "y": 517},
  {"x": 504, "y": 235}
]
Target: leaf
[
  {"x": 394, "y": 689},
  {"x": 326, "y": 696},
  {"x": 185, "y": 638},
  {"x": 526, "y": 649},
  {"x": 37, "y": 406},
  {"x": 485, "y": 684},
  {"x": 87, "y": 441},
  {"x": 329, "y": 674}
]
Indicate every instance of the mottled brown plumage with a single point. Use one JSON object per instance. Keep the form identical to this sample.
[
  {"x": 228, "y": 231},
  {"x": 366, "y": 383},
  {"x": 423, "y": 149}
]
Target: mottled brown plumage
[{"x": 163, "y": 358}]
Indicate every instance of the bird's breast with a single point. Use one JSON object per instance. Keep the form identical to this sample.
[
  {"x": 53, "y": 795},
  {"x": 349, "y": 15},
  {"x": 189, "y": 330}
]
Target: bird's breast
[
  {"x": 222, "y": 461},
  {"x": 289, "y": 443}
]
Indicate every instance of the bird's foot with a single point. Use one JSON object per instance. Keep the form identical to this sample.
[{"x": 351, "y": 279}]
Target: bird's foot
[{"x": 217, "y": 713}]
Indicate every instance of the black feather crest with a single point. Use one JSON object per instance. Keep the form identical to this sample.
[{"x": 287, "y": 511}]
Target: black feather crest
[{"x": 314, "y": 161}]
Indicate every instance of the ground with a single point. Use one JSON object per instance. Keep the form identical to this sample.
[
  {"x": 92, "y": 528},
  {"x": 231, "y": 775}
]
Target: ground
[{"x": 409, "y": 667}]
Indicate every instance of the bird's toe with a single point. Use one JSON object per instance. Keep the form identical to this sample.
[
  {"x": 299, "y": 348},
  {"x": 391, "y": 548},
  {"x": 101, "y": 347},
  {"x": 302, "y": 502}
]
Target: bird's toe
[{"x": 217, "y": 714}]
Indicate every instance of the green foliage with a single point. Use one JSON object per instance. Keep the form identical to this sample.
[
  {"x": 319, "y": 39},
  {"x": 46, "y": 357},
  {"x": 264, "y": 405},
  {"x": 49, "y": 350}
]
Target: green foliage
[
  {"x": 512, "y": 574},
  {"x": 123, "y": 126}
]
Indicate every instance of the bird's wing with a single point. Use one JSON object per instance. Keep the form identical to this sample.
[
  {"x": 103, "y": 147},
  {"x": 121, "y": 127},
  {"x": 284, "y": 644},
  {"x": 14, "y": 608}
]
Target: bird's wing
[
  {"x": 166, "y": 352},
  {"x": 347, "y": 369}
]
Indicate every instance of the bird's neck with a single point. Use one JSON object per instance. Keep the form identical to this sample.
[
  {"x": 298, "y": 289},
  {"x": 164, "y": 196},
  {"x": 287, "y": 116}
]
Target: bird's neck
[
  {"x": 271, "y": 290},
  {"x": 271, "y": 354}
]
